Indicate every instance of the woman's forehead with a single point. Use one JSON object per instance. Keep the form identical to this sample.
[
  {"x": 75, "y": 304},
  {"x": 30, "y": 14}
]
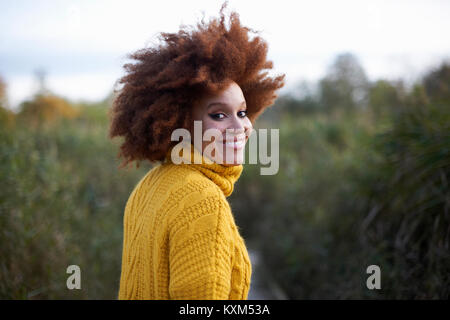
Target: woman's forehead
[{"x": 232, "y": 94}]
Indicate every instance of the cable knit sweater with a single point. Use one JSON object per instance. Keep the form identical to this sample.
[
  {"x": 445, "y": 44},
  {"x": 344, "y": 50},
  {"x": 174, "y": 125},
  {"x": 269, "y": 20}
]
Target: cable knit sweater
[{"x": 180, "y": 237}]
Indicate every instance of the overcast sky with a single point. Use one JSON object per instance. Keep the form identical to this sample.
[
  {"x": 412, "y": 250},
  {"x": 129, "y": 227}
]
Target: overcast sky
[{"x": 82, "y": 43}]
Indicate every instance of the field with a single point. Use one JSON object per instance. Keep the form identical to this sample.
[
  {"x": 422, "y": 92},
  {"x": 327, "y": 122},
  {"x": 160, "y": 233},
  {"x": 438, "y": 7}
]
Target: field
[{"x": 362, "y": 181}]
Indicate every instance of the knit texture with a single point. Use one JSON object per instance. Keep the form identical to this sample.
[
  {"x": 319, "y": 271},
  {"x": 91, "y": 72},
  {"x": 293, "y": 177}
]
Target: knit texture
[{"x": 180, "y": 237}]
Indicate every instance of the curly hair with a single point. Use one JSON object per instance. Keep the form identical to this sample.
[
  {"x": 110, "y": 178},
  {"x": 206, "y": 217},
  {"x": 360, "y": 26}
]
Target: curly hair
[{"x": 161, "y": 88}]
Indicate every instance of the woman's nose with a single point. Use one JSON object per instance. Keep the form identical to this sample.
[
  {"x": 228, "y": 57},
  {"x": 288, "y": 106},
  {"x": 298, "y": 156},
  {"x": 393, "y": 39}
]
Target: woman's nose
[{"x": 237, "y": 125}]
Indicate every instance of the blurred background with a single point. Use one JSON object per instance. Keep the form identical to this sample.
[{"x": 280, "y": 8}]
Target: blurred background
[{"x": 364, "y": 124}]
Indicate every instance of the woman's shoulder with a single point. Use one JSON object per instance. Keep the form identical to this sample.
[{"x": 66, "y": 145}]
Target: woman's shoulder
[
  {"x": 177, "y": 183},
  {"x": 184, "y": 196},
  {"x": 191, "y": 194},
  {"x": 185, "y": 179}
]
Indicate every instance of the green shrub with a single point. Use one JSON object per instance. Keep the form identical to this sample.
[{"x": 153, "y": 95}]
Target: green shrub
[{"x": 63, "y": 205}]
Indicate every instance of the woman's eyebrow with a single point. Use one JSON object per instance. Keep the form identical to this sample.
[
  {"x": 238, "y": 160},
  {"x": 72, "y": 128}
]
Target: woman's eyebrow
[{"x": 223, "y": 104}]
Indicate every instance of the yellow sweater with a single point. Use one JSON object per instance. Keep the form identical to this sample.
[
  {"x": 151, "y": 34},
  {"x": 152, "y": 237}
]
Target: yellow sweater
[{"x": 180, "y": 237}]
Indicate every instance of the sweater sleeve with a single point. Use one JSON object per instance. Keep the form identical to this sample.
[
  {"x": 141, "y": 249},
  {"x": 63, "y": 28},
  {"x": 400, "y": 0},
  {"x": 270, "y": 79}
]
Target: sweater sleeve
[{"x": 200, "y": 252}]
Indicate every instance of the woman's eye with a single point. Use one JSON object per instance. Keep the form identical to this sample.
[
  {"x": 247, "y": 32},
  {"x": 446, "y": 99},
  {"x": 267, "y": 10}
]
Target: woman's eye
[
  {"x": 242, "y": 114},
  {"x": 217, "y": 116},
  {"x": 220, "y": 116}
]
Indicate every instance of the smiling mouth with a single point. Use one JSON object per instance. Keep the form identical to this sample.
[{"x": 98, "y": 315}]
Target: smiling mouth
[{"x": 236, "y": 143}]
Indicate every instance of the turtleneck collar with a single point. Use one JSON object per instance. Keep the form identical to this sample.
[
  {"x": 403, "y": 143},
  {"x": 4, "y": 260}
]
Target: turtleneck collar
[{"x": 223, "y": 176}]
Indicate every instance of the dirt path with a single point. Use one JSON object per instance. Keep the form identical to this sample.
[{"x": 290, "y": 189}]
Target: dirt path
[{"x": 261, "y": 287}]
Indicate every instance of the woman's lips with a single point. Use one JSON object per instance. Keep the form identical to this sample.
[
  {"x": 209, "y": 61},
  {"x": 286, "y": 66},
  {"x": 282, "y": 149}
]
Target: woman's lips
[{"x": 237, "y": 143}]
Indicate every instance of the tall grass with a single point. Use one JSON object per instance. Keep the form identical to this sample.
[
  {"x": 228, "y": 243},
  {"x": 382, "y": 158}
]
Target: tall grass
[
  {"x": 61, "y": 203},
  {"x": 352, "y": 191},
  {"x": 358, "y": 188}
]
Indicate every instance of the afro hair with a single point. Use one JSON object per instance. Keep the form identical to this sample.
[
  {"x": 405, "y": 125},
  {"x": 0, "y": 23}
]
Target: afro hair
[{"x": 160, "y": 89}]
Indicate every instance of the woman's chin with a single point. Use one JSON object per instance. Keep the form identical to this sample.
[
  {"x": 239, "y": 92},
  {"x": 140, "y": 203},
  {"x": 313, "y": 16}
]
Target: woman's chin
[
  {"x": 236, "y": 160},
  {"x": 231, "y": 164},
  {"x": 229, "y": 156}
]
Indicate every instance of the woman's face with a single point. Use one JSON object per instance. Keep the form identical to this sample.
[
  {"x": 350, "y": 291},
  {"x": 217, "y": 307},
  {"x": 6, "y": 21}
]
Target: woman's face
[{"x": 225, "y": 112}]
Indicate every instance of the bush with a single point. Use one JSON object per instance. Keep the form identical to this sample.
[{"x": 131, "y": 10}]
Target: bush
[
  {"x": 354, "y": 190},
  {"x": 63, "y": 205}
]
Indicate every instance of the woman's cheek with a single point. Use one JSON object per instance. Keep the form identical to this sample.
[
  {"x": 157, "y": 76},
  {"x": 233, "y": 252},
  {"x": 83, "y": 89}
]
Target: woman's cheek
[{"x": 248, "y": 123}]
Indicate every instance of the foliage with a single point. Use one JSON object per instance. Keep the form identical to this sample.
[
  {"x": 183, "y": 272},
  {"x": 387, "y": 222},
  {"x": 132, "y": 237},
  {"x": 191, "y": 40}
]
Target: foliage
[
  {"x": 345, "y": 85},
  {"x": 46, "y": 109},
  {"x": 409, "y": 208},
  {"x": 63, "y": 205},
  {"x": 356, "y": 189},
  {"x": 363, "y": 179},
  {"x": 7, "y": 117}
]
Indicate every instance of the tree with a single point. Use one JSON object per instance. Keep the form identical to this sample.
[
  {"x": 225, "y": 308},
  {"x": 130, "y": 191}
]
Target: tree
[
  {"x": 385, "y": 97},
  {"x": 3, "y": 97},
  {"x": 437, "y": 84},
  {"x": 41, "y": 75},
  {"x": 46, "y": 109},
  {"x": 7, "y": 117},
  {"x": 345, "y": 85}
]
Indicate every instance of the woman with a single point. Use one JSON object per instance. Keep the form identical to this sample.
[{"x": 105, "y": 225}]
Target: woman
[{"x": 180, "y": 237}]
